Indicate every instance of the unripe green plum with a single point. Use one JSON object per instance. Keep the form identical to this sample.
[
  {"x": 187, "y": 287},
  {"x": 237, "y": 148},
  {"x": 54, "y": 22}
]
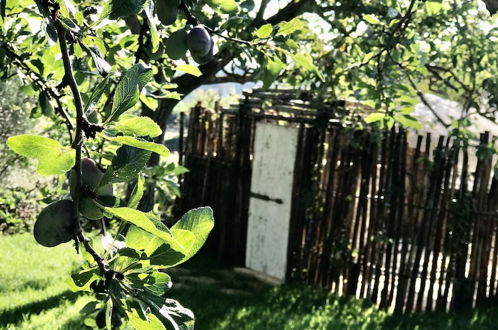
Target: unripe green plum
[
  {"x": 199, "y": 41},
  {"x": 54, "y": 224},
  {"x": 154, "y": 56},
  {"x": 91, "y": 175},
  {"x": 176, "y": 46},
  {"x": 167, "y": 11},
  {"x": 206, "y": 58},
  {"x": 90, "y": 210}
]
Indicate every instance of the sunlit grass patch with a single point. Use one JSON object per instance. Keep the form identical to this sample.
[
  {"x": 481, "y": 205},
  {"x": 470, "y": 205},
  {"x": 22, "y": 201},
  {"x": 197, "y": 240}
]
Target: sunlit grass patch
[{"x": 33, "y": 294}]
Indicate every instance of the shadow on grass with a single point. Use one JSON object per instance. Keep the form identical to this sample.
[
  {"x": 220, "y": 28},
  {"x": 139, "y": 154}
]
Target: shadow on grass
[
  {"x": 476, "y": 319},
  {"x": 223, "y": 299},
  {"x": 74, "y": 324},
  {"x": 15, "y": 315}
]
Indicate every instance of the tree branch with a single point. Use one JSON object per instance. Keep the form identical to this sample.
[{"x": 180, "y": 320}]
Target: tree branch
[
  {"x": 425, "y": 101},
  {"x": 261, "y": 12},
  {"x": 293, "y": 9},
  {"x": 81, "y": 123},
  {"x": 241, "y": 79},
  {"x": 434, "y": 70}
]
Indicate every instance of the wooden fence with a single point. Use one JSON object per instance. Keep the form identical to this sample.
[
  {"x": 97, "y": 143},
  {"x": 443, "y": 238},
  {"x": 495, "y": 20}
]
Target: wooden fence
[{"x": 408, "y": 226}]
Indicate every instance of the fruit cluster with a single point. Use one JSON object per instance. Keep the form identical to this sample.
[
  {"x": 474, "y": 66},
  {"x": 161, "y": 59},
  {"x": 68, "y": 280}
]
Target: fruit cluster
[
  {"x": 198, "y": 40},
  {"x": 55, "y": 223}
]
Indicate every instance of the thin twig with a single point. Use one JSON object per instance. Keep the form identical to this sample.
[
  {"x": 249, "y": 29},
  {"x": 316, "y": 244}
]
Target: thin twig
[
  {"x": 424, "y": 100},
  {"x": 141, "y": 41},
  {"x": 191, "y": 19}
]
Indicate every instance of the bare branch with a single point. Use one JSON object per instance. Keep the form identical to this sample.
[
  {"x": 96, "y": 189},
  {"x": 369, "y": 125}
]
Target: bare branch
[
  {"x": 261, "y": 12},
  {"x": 434, "y": 70},
  {"x": 292, "y": 10}
]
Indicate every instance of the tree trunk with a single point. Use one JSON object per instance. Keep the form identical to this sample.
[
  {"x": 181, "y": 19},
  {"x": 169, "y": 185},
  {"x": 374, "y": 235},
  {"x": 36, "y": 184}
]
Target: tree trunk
[{"x": 160, "y": 116}]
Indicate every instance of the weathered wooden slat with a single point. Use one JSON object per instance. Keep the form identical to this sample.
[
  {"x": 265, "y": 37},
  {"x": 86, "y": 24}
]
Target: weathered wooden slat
[{"x": 376, "y": 218}]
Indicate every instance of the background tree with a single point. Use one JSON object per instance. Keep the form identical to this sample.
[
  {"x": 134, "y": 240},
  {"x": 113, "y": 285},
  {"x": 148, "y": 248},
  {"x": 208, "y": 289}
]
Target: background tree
[
  {"x": 384, "y": 53},
  {"x": 43, "y": 44},
  {"x": 91, "y": 62},
  {"x": 13, "y": 114}
]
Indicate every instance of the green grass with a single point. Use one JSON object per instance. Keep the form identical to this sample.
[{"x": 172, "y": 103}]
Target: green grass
[
  {"x": 32, "y": 290},
  {"x": 225, "y": 300},
  {"x": 33, "y": 296}
]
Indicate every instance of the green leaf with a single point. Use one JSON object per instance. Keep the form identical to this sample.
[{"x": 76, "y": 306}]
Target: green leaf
[
  {"x": 305, "y": 62},
  {"x": 128, "y": 90},
  {"x": 44, "y": 104},
  {"x": 371, "y": 19},
  {"x": 264, "y": 32},
  {"x": 178, "y": 316},
  {"x": 115, "y": 9},
  {"x": 89, "y": 308},
  {"x": 108, "y": 314},
  {"x": 286, "y": 28},
  {"x": 408, "y": 121},
  {"x": 81, "y": 281},
  {"x": 225, "y": 6},
  {"x": 3, "y": 5},
  {"x": 158, "y": 283},
  {"x": 148, "y": 223},
  {"x": 53, "y": 158},
  {"x": 142, "y": 144},
  {"x": 100, "y": 63},
  {"x": 273, "y": 68},
  {"x": 374, "y": 117},
  {"x": 26, "y": 89},
  {"x": 165, "y": 256},
  {"x": 126, "y": 165},
  {"x": 154, "y": 35},
  {"x": 139, "y": 126},
  {"x": 137, "y": 193},
  {"x": 433, "y": 7},
  {"x": 190, "y": 69},
  {"x": 69, "y": 24},
  {"x": 200, "y": 222},
  {"x": 139, "y": 239},
  {"x": 96, "y": 96},
  {"x": 149, "y": 101},
  {"x": 152, "y": 322}
]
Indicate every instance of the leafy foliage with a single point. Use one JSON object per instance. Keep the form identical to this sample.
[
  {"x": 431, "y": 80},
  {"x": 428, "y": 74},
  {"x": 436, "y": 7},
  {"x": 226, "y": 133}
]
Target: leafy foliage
[
  {"x": 17, "y": 209},
  {"x": 90, "y": 64},
  {"x": 128, "y": 277},
  {"x": 133, "y": 284}
]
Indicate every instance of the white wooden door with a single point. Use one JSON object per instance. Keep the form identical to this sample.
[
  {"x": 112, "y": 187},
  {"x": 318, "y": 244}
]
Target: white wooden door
[{"x": 270, "y": 204}]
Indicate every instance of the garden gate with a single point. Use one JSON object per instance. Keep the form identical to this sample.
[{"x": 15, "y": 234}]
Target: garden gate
[
  {"x": 271, "y": 198},
  {"x": 407, "y": 223}
]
